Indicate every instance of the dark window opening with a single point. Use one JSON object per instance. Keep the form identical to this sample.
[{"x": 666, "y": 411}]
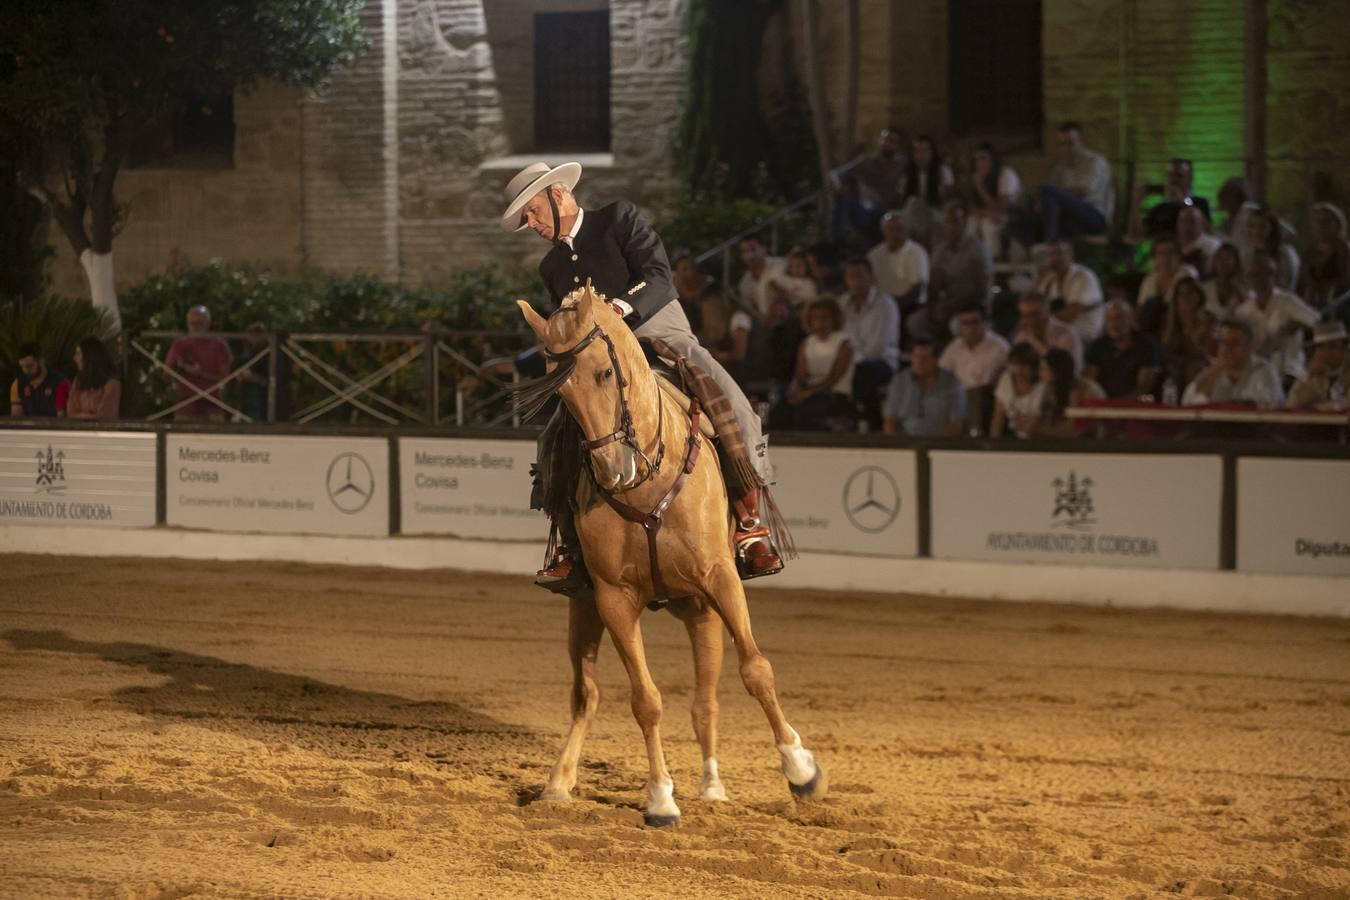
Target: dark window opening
[
  {"x": 198, "y": 135},
  {"x": 571, "y": 81},
  {"x": 994, "y": 59}
]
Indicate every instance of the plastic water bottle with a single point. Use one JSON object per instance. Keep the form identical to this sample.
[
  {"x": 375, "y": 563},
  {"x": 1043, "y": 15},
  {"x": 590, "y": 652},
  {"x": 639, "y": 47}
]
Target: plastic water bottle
[{"x": 1169, "y": 391}]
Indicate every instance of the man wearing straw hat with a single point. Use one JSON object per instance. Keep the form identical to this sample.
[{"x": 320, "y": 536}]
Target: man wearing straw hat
[
  {"x": 615, "y": 249},
  {"x": 1327, "y": 380}
]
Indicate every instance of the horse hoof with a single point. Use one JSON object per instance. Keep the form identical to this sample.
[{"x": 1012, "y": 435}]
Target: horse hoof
[
  {"x": 716, "y": 793},
  {"x": 814, "y": 789},
  {"x": 554, "y": 797},
  {"x": 654, "y": 821}
]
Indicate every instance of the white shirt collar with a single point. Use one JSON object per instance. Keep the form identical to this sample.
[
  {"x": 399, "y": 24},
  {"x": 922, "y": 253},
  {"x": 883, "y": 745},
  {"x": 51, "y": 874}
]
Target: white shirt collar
[{"x": 576, "y": 228}]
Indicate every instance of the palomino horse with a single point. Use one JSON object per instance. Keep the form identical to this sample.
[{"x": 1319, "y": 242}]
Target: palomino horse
[{"x": 599, "y": 370}]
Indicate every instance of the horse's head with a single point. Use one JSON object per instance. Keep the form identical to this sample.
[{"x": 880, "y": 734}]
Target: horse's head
[{"x": 597, "y": 367}]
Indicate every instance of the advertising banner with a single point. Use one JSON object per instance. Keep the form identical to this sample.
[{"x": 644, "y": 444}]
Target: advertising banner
[
  {"x": 1293, "y": 516},
  {"x": 291, "y": 484},
  {"x": 100, "y": 478},
  {"x": 1080, "y": 508},
  {"x": 850, "y": 501},
  {"x": 468, "y": 488}
]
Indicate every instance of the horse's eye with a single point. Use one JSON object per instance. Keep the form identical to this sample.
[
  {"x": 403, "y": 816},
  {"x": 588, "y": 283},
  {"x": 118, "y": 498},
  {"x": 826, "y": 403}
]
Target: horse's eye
[{"x": 609, "y": 373}]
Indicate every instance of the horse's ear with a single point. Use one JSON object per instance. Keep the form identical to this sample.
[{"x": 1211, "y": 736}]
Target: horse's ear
[
  {"x": 536, "y": 322},
  {"x": 584, "y": 300}
]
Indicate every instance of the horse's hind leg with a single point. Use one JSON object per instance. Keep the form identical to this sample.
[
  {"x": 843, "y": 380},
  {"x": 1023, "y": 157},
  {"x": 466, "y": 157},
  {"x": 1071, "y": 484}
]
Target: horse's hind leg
[
  {"x": 805, "y": 778},
  {"x": 584, "y": 630},
  {"x": 620, "y": 615},
  {"x": 705, "y": 636}
]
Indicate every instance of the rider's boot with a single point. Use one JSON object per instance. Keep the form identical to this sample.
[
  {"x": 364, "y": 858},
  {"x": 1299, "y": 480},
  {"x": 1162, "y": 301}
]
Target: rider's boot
[
  {"x": 563, "y": 573},
  {"x": 756, "y": 555}
]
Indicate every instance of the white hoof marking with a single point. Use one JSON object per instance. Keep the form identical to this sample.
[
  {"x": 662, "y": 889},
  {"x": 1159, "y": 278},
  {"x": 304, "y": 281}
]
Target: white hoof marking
[
  {"x": 711, "y": 789},
  {"x": 661, "y": 800},
  {"x": 798, "y": 764}
]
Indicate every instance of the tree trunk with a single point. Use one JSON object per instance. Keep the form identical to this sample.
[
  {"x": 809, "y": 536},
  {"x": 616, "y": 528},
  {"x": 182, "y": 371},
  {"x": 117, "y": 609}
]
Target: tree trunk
[
  {"x": 815, "y": 88},
  {"x": 849, "y": 138},
  {"x": 98, "y": 268}
]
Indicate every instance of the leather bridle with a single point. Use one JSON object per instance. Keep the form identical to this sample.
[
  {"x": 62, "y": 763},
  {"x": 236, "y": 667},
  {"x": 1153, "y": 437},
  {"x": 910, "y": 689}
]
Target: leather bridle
[{"x": 625, "y": 433}]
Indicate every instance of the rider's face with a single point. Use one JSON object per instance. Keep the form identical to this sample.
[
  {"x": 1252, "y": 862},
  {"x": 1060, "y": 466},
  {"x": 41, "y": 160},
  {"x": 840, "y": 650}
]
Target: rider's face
[{"x": 538, "y": 216}]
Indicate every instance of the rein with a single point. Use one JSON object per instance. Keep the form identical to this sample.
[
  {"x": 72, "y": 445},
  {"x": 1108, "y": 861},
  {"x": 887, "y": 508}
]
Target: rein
[{"x": 650, "y": 521}]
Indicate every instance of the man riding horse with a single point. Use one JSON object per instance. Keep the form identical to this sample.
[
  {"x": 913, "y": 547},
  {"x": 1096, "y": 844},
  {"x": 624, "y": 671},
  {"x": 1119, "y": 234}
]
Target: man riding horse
[{"x": 619, "y": 253}]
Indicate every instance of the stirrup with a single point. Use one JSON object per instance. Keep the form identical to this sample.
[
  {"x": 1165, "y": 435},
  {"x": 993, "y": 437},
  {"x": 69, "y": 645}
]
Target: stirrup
[
  {"x": 756, "y": 555},
  {"x": 564, "y": 574}
]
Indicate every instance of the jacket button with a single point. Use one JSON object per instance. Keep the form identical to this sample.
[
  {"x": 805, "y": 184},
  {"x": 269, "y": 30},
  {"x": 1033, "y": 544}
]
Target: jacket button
[
  {"x": 574, "y": 257},
  {"x": 577, "y": 279}
]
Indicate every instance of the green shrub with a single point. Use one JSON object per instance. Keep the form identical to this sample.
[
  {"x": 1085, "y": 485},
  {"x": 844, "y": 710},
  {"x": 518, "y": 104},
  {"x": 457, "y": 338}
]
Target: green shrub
[{"x": 57, "y": 324}]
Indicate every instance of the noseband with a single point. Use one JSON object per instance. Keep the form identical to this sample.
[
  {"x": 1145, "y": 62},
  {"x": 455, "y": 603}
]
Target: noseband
[{"x": 625, "y": 433}]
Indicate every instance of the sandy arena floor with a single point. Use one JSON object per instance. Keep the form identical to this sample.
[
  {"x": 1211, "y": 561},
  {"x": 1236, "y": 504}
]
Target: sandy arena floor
[{"x": 190, "y": 729}]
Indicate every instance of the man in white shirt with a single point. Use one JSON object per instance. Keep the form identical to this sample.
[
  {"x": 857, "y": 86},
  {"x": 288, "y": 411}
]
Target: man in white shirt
[
  {"x": 900, "y": 265},
  {"x": 1036, "y": 327},
  {"x": 760, "y": 267},
  {"x": 1077, "y": 197},
  {"x": 1197, "y": 244},
  {"x": 1276, "y": 317},
  {"x": 1236, "y": 376},
  {"x": 976, "y": 358},
  {"x": 1077, "y": 286},
  {"x": 872, "y": 321}
]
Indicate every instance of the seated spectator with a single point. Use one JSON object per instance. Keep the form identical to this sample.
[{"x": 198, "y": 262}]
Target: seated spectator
[
  {"x": 796, "y": 283},
  {"x": 1176, "y": 195},
  {"x": 1036, "y": 327},
  {"x": 1226, "y": 288},
  {"x": 823, "y": 261},
  {"x": 871, "y": 187},
  {"x": 872, "y": 321},
  {"x": 730, "y": 336},
  {"x": 254, "y": 380},
  {"x": 1073, "y": 290},
  {"x": 1188, "y": 335},
  {"x": 924, "y": 400},
  {"x": 1326, "y": 382},
  {"x": 1237, "y": 206},
  {"x": 38, "y": 392},
  {"x": 820, "y": 392},
  {"x": 1155, "y": 291},
  {"x": 201, "y": 361},
  {"x": 994, "y": 188},
  {"x": 1018, "y": 394},
  {"x": 760, "y": 269},
  {"x": 900, "y": 265},
  {"x": 1060, "y": 390},
  {"x": 1326, "y": 268},
  {"x": 1236, "y": 375},
  {"x": 689, "y": 282},
  {"x": 976, "y": 358},
  {"x": 1077, "y": 198},
  {"x": 1265, "y": 233},
  {"x": 926, "y": 185},
  {"x": 1124, "y": 360},
  {"x": 790, "y": 294},
  {"x": 95, "y": 393},
  {"x": 962, "y": 274},
  {"x": 1197, "y": 245},
  {"x": 1276, "y": 317}
]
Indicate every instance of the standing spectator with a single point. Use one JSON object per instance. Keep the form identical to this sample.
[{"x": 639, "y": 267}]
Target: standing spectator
[
  {"x": 1265, "y": 233},
  {"x": 689, "y": 282},
  {"x": 1036, "y": 327},
  {"x": 38, "y": 392},
  {"x": 821, "y": 389},
  {"x": 760, "y": 268},
  {"x": 1326, "y": 269},
  {"x": 924, "y": 400},
  {"x": 95, "y": 393},
  {"x": 1018, "y": 394},
  {"x": 995, "y": 187},
  {"x": 871, "y": 187},
  {"x": 900, "y": 265},
  {"x": 928, "y": 182},
  {"x": 1061, "y": 390},
  {"x": 872, "y": 321},
  {"x": 256, "y": 377},
  {"x": 976, "y": 358},
  {"x": 1124, "y": 361},
  {"x": 1234, "y": 202},
  {"x": 1226, "y": 288},
  {"x": 730, "y": 336},
  {"x": 1077, "y": 198},
  {"x": 1197, "y": 244},
  {"x": 1176, "y": 196},
  {"x": 1325, "y": 384},
  {"x": 1188, "y": 335},
  {"x": 1155, "y": 291},
  {"x": 202, "y": 361},
  {"x": 1073, "y": 290},
  {"x": 1276, "y": 318},
  {"x": 962, "y": 274},
  {"x": 1236, "y": 375}
]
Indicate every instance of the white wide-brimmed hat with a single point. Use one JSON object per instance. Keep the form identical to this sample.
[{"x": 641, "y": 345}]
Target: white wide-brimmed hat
[{"x": 531, "y": 180}]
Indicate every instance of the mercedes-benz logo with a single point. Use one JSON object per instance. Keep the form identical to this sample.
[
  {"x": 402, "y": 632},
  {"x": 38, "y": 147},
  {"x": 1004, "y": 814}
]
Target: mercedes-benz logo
[
  {"x": 350, "y": 482},
  {"x": 871, "y": 499}
]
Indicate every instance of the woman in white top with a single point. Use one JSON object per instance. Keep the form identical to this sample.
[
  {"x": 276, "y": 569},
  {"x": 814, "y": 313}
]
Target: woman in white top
[
  {"x": 822, "y": 389},
  {"x": 994, "y": 187},
  {"x": 1265, "y": 232},
  {"x": 1225, "y": 289},
  {"x": 1018, "y": 396}
]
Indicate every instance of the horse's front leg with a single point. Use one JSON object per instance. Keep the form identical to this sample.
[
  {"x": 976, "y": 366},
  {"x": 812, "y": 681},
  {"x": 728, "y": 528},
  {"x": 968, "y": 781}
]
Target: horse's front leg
[
  {"x": 619, "y": 611},
  {"x": 705, "y": 637},
  {"x": 584, "y": 630}
]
